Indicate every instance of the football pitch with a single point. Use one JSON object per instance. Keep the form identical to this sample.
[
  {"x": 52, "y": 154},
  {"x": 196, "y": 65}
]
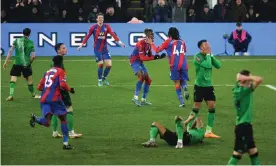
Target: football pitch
[{"x": 113, "y": 127}]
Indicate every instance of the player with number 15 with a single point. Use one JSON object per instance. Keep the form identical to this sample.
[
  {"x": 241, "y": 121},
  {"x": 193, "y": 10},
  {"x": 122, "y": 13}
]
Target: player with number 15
[{"x": 176, "y": 49}]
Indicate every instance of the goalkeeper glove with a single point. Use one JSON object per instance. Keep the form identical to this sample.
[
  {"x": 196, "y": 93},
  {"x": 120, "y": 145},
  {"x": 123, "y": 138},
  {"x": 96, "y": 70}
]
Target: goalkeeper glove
[{"x": 72, "y": 90}]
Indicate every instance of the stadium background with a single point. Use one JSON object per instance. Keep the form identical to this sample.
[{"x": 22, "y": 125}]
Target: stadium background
[{"x": 113, "y": 127}]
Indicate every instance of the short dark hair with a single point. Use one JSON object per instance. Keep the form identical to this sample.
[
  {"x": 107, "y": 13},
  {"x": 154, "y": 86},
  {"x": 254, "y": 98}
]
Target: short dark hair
[
  {"x": 57, "y": 46},
  {"x": 245, "y": 72},
  {"x": 57, "y": 61},
  {"x": 201, "y": 42},
  {"x": 148, "y": 31},
  {"x": 27, "y": 32},
  {"x": 99, "y": 14},
  {"x": 239, "y": 24},
  {"x": 174, "y": 33}
]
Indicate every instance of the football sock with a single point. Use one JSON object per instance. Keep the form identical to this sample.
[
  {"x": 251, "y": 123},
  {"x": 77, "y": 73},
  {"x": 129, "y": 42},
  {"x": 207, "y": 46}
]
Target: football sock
[
  {"x": 179, "y": 130},
  {"x": 70, "y": 120},
  {"x": 153, "y": 133},
  {"x": 54, "y": 122},
  {"x": 211, "y": 119},
  {"x": 12, "y": 85},
  {"x": 64, "y": 129},
  {"x": 138, "y": 86},
  {"x": 179, "y": 94},
  {"x": 146, "y": 87},
  {"x": 194, "y": 112},
  {"x": 254, "y": 159},
  {"x": 106, "y": 71},
  {"x": 43, "y": 121},
  {"x": 234, "y": 160},
  {"x": 100, "y": 71},
  {"x": 31, "y": 88},
  {"x": 183, "y": 84}
]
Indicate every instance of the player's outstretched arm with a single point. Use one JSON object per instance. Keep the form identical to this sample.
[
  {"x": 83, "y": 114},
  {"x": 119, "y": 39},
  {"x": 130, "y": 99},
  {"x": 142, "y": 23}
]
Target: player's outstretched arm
[
  {"x": 8, "y": 57},
  {"x": 41, "y": 83},
  {"x": 90, "y": 32},
  {"x": 110, "y": 31},
  {"x": 160, "y": 48}
]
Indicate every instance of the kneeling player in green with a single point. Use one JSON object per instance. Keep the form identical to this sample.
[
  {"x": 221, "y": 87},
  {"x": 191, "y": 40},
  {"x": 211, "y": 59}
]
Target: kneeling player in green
[
  {"x": 187, "y": 133},
  {"x": 61, "y": 51},
  {"x": 243, "y": 100}
]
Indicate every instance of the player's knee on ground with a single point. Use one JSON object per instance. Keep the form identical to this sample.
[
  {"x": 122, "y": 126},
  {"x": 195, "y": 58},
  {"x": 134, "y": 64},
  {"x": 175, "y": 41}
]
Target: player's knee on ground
[{"x": 210, "y": 104}]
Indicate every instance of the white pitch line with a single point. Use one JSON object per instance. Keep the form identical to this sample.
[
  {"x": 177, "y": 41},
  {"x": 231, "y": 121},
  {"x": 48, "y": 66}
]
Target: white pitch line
[
  {"x": 129, "y": 85},
  {"x": 126, "y": 60},
  {"x": 271, "y": 87}
]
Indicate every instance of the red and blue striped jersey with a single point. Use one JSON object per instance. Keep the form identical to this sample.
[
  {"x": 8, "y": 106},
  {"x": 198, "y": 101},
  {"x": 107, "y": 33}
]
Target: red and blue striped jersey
[
  {"x": 100, "y": 36},
  {"x": 142, "y": 52},
  {"x": 52, "y": 82},
  {"x": 176, "y": 50}
]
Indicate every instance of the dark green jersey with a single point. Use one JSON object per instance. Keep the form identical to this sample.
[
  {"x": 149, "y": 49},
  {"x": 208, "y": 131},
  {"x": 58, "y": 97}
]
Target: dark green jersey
[
  {"x": 23, "y": 48},
  {"x": 243, "y": 100},
  {"x": 203, "y": 67}
]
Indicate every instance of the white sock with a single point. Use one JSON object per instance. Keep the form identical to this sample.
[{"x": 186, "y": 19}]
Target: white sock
[
  {"x": 208, "y": 131},
  {"x": 65, "y": 143},
  {"x": 152, "y": 139},
  {"x": 99, "y": 79},
  {"x": 180, "y": 141},
  {"x": 55, "y": 132},
  {"x": 136, "y": 97}
]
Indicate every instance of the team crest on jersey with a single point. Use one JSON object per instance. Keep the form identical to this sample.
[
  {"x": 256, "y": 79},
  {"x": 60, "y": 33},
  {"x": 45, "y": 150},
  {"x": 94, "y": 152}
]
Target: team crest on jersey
[{"x": 198, "y": 59}]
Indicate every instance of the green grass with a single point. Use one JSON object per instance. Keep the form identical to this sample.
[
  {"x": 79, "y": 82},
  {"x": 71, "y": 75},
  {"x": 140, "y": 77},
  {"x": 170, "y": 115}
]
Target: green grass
[{"x": 114, "y": 127}]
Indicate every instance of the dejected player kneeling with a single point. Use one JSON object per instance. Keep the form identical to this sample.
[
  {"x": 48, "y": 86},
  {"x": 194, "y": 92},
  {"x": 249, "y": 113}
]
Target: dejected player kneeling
[{"x": 51, "y": 102}]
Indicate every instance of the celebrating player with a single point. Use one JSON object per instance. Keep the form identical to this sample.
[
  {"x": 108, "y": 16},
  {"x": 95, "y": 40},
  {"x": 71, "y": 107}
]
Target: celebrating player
[
  {"x": 24, "y": 56},
  {"x": 203, "y": 88},
  {"x": 61, "y": 51},
  {"x": 243, "y": 95},
  {"x": 100, "y": 31},
  {"x": 176, "y": 49},
  {"x": 51, "y": 102},
  {"x": 187, "y": 133},
  {"x": 142, "y": 52}
]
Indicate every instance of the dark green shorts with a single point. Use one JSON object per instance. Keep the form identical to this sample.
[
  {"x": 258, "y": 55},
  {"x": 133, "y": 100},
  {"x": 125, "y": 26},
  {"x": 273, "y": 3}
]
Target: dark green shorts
[{"x": 66, "y": 98}]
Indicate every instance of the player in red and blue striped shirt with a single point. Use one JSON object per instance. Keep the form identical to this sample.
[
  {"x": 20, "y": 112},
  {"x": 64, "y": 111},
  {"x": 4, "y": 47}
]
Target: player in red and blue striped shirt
[
  {"x": 142, "y": 52},
  {"x": 176, "y": 49},
  {"x": 100, "y": 31},
  {"x": 51, "y": 102}
]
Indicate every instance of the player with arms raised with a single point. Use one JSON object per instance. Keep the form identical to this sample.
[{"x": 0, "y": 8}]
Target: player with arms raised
[
  {"x": 24, "y": 56},
  {"x": 51, "y": 102},
  {"x": 142, "y": 52},
  {"x": 176, "y": 49},
  {"x": 243, "y": 100},
  {"x": 100, "y": 31}
]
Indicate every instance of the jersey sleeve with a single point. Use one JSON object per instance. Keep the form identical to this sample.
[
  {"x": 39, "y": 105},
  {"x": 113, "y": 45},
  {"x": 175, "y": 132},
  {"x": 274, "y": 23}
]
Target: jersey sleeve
[
  {"x": 163, "y": 46},
  {"x": 215, "y": 62},
  {"x": 32, "y": 47},
  {"x": 110, "y": 31},
  {"x": 62, "y": 80},
  {"x": 41, "y": 83},
  {"x": 90, "y": 32}
]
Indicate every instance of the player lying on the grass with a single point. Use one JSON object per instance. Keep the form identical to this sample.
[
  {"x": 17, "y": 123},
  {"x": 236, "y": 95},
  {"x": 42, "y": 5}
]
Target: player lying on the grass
[
  {"x": 142, "y": 52},
  {"x": 100, "y": 31},
  {"x": 61, "y": 50},
  {"x": 243, "y": 100},
  {"x": 51, "y": 103},
  {"x": 203, "y": 88},
  {"x": 24, "y": 56},
  {"x": 189, "y": 132},
  {"x": 176, "y": 49}
]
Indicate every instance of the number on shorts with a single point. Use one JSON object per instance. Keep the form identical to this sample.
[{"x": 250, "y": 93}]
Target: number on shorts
[
  {"x": 48, "y": 81},
  {"x": 177, "y": 52}
]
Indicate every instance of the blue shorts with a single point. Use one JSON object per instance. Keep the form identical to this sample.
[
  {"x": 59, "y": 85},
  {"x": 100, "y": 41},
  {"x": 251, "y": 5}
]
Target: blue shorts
[
  {"x": 137, "y": 66},
  {"x": 57, "y": 108},
  {"x": 100, "y": 56},
  {"x": 179, "y": 75}
]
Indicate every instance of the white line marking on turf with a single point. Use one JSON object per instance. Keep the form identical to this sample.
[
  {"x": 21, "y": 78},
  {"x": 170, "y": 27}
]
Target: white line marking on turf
[
  {"x": 129, "y": 85},
  {"x": 271, "y": 87},
  {"x": 126, "y": 60}
]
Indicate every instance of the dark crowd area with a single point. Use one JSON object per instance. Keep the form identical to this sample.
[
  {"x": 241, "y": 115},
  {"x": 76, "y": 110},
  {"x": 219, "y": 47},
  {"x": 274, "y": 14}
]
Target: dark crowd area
[{"x": 83, "y": 11}]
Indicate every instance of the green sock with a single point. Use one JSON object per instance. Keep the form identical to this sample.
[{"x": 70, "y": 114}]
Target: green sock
[
  {"x": 54, "y": 122},
  {"x": 211, "y": 119},
  {"x": 31, "y": 88},
  {"x": 153, "y": 132},
  {"x": 234, "y": 160},
  {"x": 179, "y": 129},
  {"x": 194, "y": 112},
  {"x": 12, "y": 85},
  {"x": 70, "y": 121},
  {"x": 254, "y": 159}
]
